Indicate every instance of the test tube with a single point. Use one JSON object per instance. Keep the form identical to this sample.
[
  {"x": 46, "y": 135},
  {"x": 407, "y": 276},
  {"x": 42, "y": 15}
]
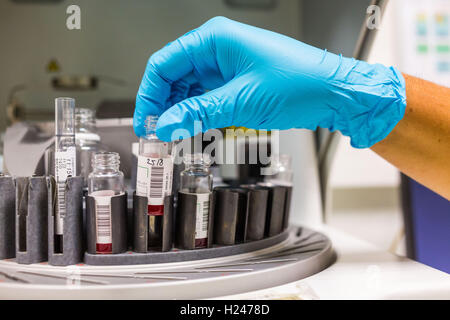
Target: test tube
[
  {"x": 197, "y": 180},
  {"x": 154, "y": 177},
  {"x": 65, "y": 161},
  {"x": 105, "y": 182}
]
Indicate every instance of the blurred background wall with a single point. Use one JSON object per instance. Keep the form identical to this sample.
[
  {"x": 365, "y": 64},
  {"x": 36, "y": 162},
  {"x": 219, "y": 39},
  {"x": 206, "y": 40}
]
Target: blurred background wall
[{"x": 115, "y": 41}]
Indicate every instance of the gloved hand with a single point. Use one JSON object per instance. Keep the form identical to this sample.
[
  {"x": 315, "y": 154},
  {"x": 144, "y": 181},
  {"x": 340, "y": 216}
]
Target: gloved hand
[{"x": 263, "y": 80}]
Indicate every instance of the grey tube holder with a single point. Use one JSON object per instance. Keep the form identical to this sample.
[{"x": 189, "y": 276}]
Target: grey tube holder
[
  {"x": 119, "y": 213},
  {"x": 186, "y": 221},
  {"x": 129, "y": 258},
  {"x": 257, "y": 199},
  {"x": 287, "y": 207},
  {"x": 275, "y": 210},
  {"x": 230, "y": 215},
  {"x": 72, "y": 239},
  {"x": 141, "y": 225},
  {"x": 7, "y": 218},
  {"x": 31, "y": 220},
  {"x": 279, "y": 207}
]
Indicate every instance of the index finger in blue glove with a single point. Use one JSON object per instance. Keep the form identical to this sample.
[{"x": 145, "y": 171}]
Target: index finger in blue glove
[{"x": 164, "y": 67}]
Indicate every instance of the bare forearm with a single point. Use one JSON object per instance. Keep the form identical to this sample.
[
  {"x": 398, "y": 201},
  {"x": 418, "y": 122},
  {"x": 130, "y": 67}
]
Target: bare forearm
[{"x": 419, "y": 145}]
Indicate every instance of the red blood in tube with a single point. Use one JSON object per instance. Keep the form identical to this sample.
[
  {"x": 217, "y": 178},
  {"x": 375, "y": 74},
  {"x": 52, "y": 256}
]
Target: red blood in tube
[
  {"x": 201, "y": 243},
  {"x": 155, "y": 210},
  {"x": 104, "y": 248}
]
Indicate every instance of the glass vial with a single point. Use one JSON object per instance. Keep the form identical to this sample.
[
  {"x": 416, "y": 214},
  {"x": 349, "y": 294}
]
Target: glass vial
[
  {"x": 283, "y": 175},
  {"x": 104, "y": 182},
  {"x": 64, "y": 160},
  {"x": 154, "y": 177},
  {"x": 87, "y": 140},
  {"x": 197, "y": 180}
]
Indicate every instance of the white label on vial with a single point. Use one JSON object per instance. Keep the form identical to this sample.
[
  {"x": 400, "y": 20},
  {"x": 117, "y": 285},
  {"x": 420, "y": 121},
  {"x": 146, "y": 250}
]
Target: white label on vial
[
  {"x": 103, "y": 215},
  {"x": 202, "y": 216},
  {"x": 65, "y": 166},
  {"x": 154, "y": 178}
]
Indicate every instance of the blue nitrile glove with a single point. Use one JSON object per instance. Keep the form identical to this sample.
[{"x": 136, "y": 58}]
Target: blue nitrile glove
[{"x": 263, "y": 80}]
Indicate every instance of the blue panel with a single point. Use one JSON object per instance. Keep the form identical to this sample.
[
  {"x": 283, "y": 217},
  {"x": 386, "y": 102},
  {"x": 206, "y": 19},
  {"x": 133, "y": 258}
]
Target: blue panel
[{"x": 431, "y": 227}]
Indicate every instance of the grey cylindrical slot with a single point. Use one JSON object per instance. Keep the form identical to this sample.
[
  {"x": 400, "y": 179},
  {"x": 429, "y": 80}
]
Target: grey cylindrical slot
[
  {"x": 186, "y": 221},
  {"x": 167, "y": 239},
  {"x": 118, "y": 220},
  {"x": 230, "y": 215},
  {"x": 155, "y": 227},
  {"x": 287, "y": 208},
  {"x": 119, "y": 216},
  {"x": 31, "y": 220},
  {"x": 140, "y": 224},
  {"x": 152, "y": 233},
  {"x": 72, "y": 238},
  {"x": 275, "y": 210},
  {"x": 7, "y": 218},
  {"x": 257, "y": 211}
]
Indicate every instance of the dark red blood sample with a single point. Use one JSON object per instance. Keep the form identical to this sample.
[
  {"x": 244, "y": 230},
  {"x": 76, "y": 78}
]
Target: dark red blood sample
[
  {"x": 155, "y": 210},
  {"x": 201, "y": 243},
  {"x": 104, "y": 248}
]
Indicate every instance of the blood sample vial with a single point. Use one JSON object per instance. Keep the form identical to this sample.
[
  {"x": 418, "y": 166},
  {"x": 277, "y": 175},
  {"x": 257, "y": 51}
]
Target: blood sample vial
[
  {"x": 154, "y": 177},
  {"x": 197, "y": 180},
  {"x": 104, "y": 182}
]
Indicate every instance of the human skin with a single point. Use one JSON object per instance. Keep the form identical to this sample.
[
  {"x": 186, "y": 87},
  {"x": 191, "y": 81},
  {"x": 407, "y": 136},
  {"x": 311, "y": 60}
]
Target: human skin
[{"x": 419, "y": 145}]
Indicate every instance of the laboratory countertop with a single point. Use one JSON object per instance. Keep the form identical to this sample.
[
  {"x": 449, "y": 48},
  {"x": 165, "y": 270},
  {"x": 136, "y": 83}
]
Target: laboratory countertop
[{"x": 361, "y": 271}]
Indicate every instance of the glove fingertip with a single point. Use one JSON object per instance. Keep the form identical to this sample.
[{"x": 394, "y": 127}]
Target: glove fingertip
[
  {"x": 163, "y": 134},
  {"x": 138, "y": 127},
  {"x": 165, "y": 127},
  {"x": 174, "y": 126},
  {"x": 171, "y": 132}
]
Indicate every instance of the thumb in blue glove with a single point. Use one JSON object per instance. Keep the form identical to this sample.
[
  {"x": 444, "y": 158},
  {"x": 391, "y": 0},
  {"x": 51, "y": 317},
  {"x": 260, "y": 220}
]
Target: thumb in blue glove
[{"x": 263, "y": 80}]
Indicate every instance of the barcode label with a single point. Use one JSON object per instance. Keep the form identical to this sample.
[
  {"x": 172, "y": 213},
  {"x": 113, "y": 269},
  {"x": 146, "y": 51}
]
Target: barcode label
[
  {"x": 60, "y": 208},
  {"x": 205, "y": 216},
  {"x": 60, "y": 195},
  {"x": 65, "y": 166},
  {"x": 202, "y": 216},
  {"x": 103, "y": 216},
  {"x": 156, "y": 182},
  {"x": 154, "y": 179},
  {"x": 103, "y": 223}
]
